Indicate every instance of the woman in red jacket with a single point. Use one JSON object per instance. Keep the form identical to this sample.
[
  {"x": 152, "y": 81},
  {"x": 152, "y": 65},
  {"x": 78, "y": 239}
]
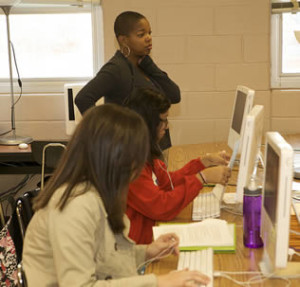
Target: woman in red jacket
[{"x": 158, "y": 194}]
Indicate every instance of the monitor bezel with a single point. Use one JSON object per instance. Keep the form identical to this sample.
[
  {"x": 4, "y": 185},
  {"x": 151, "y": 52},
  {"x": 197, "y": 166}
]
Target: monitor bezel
[
  {"x": 276, "y": 236},
  {"x": 233, "y": 136},
  {"x": 70, "y": 92},
  {"x": 250, "y": 148}
]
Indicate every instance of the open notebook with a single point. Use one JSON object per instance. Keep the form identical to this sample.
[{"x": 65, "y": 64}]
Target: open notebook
[{"x": 215, "y": 233}]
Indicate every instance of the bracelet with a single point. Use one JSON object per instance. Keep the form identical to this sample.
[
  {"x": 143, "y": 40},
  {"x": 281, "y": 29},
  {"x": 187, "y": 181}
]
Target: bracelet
[{"x": 202, "y": 177}]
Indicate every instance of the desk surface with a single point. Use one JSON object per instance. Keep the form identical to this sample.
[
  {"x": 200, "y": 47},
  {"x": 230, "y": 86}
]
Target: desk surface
[
  {"x": 17, "y": 161},
  {"x": 244, "y": 259},
  {"x": 14, "y": 160},
  {"x": 14, "y": 153}
]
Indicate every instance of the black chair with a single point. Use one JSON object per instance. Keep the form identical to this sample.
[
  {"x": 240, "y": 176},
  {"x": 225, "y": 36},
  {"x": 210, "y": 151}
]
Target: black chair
[
  {"x": 24, "y": 210},
  {"x": 23, "y": 213},
  {"x": 22, "y": 282}
]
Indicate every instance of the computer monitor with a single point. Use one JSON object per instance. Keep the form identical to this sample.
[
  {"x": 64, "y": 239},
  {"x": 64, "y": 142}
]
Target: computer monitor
[
  {"x": 242, "y": 105},
  {"x": 276, "y": 202},
  {"x": 72, "y": 113},
  {"x": 250, "y": 149}
]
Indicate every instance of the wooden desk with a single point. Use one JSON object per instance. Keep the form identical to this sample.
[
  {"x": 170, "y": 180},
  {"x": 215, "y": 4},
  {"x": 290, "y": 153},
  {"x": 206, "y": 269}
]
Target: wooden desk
[
  {"x": 17, "y": 161},
  {"x": 23, "y": 161},
  {"x": 244, "y": 259},
  {"x": 13, "y": 153}
]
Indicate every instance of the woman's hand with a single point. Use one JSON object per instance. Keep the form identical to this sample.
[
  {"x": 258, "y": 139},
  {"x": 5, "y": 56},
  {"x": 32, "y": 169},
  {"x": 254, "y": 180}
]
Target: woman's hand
[
  {"x": 211, "y": 159},
  {"x": 216, "y": 174},
  {"x": 163, "y": 245},
  {"x": 184, "y": 278}
]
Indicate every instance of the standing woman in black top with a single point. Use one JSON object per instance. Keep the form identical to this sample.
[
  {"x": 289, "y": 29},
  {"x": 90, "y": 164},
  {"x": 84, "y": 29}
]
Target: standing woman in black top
[{"x": 131, "y": 67}]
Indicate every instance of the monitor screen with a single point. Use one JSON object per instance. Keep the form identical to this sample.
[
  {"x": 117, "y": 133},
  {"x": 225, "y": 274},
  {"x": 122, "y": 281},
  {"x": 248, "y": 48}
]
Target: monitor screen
[
  {"x": 242, "y": 106},
  {"x": 239, "y": 111},
  {"x": 271, "y": 183}
]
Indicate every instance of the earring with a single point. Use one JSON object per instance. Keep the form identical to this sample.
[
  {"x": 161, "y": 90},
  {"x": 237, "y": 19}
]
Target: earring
[{"x": 125, "y": 50}]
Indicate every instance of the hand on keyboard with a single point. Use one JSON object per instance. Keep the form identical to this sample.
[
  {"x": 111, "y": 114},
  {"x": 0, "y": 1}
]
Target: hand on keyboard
[
  {"x": 200, "y": 260},
  {"x": 183, "y": 278}
]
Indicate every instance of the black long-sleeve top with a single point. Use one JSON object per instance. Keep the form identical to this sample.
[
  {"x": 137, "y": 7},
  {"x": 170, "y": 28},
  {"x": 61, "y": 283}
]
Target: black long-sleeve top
[{"x": 118, "y": 77}]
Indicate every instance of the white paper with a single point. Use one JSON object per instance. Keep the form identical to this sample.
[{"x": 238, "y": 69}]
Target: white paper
[{"x": 209, "y": 232}]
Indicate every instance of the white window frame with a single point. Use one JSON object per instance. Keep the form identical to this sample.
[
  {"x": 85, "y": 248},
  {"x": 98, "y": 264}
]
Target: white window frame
[
  {"x": 278, "y": 78},
  {"x": 56, "y": 85}
]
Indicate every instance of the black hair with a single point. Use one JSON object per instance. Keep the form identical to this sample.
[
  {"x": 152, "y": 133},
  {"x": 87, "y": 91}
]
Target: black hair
[
  {"x": 125, "y": 22},
  {"x": 107, "y": 151},
  {"x": 150, "y": 104}
]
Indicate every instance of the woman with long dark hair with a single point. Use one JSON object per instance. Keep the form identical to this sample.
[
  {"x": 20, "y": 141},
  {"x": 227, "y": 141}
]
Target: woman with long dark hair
[{"x": 78, "y": 234}]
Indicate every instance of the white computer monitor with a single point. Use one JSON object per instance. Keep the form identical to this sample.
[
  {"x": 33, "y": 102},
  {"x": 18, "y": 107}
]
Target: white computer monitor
[
  {"x": 250, "y": 149},
  {"x": 276, "y": 202},
  {"x": 72, "y": 113},
  {"x": 242, "y": 105}
]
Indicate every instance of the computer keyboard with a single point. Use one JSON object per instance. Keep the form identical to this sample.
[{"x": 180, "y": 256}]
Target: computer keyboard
[
  {"x": 200, "y": 260},
  {"x": 205, "y": 205},
  {"x": 208, "y": 205}
]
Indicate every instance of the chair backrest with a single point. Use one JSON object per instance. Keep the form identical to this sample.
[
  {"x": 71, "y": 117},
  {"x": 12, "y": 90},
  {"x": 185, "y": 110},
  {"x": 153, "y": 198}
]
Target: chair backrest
[
  {"x": 21, "y": 218},
  {"x": 23, "y": 213},
  {"x": 52, "y": 155},
  {"x": 22, "y": 282},
  {"x": 47, "y": 154},
  {"x": 24, "y": 209},
  {"x": 56, "y": 148}
]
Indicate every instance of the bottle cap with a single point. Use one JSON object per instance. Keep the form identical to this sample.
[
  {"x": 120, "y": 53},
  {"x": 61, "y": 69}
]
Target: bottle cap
[{"x": 252, "y": 192}]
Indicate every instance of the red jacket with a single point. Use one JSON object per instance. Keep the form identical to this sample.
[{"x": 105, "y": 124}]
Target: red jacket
[{"x": 148, "y": 202}]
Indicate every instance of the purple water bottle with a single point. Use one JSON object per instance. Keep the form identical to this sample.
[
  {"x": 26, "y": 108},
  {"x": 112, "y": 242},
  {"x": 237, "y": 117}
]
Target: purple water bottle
[{"x": 252, "y": 217}]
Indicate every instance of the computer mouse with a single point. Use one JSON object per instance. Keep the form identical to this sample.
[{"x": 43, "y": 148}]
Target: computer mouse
[{"x": 23, "y": 146}]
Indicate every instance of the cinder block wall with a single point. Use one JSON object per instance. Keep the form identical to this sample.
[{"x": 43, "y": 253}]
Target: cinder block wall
[{"x": 208, "y": 48}]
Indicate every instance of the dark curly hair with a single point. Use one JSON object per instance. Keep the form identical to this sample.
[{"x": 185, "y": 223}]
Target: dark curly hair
[{"x": 150, "y": 104}]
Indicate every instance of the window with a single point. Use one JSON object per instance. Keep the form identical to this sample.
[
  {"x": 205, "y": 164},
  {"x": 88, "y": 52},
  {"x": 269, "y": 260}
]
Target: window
[
  {"x": 285, "y": 49},
  {"x": 52, "y": 44},
  {"x": 291, "y": 43}
]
